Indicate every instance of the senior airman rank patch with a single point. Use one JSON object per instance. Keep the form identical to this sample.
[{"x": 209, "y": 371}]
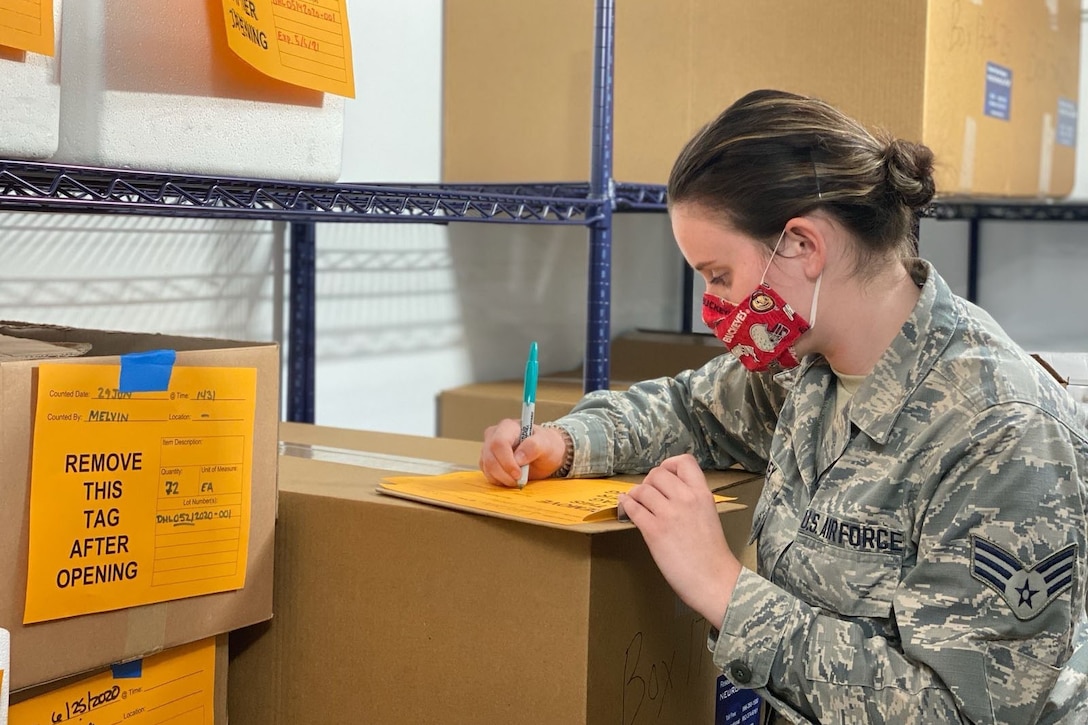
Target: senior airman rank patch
[{"x": 1027, "y": 591}]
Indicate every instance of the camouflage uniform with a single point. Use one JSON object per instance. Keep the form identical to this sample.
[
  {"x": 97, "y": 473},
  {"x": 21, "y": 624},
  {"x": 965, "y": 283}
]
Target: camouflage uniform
[{"x": 922, "y": 555}]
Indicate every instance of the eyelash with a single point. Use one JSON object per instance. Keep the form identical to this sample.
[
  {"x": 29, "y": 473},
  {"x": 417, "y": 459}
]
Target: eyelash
[{"x": 720, "y": 279}]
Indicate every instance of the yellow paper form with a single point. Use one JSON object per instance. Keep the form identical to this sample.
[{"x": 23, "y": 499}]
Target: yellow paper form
[
  {"x": 176, "y": 687},
  {"x": 27, "y": 25},
  {"x": 137, "y": 497},
  {"x": 564, "y": 501},
  {"x": 305, "y": 42}
]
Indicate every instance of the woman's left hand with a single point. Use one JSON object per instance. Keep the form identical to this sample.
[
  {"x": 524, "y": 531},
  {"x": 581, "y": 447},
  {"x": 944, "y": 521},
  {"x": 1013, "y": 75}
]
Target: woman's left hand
[{"x": 674, "y": 510}]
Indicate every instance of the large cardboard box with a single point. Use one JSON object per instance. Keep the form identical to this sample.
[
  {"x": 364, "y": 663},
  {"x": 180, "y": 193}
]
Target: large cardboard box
[
  {"x": 466, "y": 411},
  {"x": 390, "y": 611},
  {"x": 991, "y": 87},
  {"x": 646, "y": 354},
  {"x": 45, "y": 651}
]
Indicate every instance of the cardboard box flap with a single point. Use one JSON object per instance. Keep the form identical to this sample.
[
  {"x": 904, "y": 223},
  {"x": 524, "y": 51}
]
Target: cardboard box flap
[
  {"x": 111, "y": 342},
  {"x": 466, "y": 454},
  {"x": 22, "y": 348}
]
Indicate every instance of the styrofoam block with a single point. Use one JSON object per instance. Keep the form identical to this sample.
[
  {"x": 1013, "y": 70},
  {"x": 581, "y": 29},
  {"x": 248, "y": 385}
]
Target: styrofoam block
[
  {"x": 152, "y": 84},
  {"x": 30, "y": 101}
]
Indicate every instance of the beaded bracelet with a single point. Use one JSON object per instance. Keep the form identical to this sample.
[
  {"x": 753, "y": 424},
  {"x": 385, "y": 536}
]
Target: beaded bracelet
[{"x": 568, "y": 455}]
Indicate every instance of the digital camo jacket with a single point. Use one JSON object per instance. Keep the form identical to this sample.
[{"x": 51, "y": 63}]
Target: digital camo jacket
[{"x": 922, "y": 556}]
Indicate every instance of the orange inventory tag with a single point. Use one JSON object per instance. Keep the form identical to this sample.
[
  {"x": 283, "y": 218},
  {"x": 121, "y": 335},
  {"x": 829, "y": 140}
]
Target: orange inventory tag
[
  {"x": 137, "y": 497},
  {"x": 304, "y": 42},
  {"x": 175, "y": 686},
  {"x": 27, "y": 25}
]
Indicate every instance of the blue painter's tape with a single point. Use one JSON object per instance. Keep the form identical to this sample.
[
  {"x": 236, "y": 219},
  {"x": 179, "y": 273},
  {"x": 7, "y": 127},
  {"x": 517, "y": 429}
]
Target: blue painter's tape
[
  {"x": 146, "y": 372},
  {"x": 128, "y": 670},
  {"x": 735, "y": 706}
]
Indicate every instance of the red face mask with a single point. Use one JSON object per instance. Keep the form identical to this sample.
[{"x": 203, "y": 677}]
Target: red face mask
[{"x": 760, "y": 331}]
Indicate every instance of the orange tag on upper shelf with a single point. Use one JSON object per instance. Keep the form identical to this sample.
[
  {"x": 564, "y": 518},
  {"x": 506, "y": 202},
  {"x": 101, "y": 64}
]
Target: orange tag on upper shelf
[
  {"x": 304, "y": 42},
  {"x": 27, "y": 25}
]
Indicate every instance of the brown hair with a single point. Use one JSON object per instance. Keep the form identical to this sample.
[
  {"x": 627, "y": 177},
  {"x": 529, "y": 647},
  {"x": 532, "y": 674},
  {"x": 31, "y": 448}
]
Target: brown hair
[{"x": 772, "y": 156}]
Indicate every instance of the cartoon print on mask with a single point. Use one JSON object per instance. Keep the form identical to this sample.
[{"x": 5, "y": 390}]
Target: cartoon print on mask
[
  {"x": 761, "y": 301},
  {"x": 766, "y": 340},
  {"x": 740, "y": 351}
]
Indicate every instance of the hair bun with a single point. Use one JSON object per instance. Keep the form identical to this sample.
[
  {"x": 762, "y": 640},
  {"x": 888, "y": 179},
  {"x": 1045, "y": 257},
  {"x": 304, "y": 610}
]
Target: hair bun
[{"x": 910, "y": 172}]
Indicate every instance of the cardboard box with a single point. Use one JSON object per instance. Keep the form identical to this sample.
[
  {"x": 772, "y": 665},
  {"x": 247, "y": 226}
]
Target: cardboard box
[
  {"x": 646, "y": 354},
  {"x": 466, "y": 411},
  {"x": 991, "y": 87},
  {"x": 130, "y": 678},
  {"x": 198, "y": 90},
  {"x": 54, "y": 649},
  {"x": 389, "y": 611}
]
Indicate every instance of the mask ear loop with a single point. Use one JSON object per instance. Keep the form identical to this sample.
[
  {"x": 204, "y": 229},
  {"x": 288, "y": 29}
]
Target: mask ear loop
[
  {"x": 773, "y": 252},
  {"x": 816, "y": 289}
]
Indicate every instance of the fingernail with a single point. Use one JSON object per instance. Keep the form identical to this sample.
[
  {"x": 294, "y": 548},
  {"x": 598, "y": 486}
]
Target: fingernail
[
  {"x": 519, "y": 457},
  {"x": 621, "y": 515}
]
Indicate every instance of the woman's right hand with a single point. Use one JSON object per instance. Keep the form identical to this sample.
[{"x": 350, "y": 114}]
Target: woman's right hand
[{"x": 501, "y": 457}]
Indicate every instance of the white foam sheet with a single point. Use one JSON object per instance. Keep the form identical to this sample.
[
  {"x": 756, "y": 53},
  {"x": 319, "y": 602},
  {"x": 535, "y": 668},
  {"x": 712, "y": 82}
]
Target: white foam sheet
[
  {"x": 30, "y": 102},
  {"x": 137, "y": 93}
]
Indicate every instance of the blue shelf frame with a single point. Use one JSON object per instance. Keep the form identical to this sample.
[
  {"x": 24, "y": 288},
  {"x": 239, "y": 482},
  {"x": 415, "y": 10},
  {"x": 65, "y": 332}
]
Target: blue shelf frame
[
  {"x": 38, "y": 187},
  {"x": 34, "y": 186}
]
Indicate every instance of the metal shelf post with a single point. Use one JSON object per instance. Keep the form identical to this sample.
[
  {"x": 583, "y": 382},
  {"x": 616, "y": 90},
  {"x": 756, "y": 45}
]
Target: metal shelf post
[
  {"x": 602, "y": 189},
  {"x": 302, "y": 302}
]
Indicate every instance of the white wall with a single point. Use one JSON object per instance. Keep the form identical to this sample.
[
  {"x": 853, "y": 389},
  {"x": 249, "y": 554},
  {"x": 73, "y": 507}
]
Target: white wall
[{"x": 405, "y": 311}]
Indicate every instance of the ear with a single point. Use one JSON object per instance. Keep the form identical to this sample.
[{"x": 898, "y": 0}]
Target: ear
[{"x": 807, "y": 240}]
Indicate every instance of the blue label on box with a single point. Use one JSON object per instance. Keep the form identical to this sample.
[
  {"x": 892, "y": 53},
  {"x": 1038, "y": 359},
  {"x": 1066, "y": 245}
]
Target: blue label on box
[
  {"x": 998, "y": 91},
  {"x": 1066, "y": 134},
  {"x": 735, "y": 706}
]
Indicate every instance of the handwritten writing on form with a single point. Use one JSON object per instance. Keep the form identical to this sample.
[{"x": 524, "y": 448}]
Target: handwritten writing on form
[{"x": 304, "y": 42}]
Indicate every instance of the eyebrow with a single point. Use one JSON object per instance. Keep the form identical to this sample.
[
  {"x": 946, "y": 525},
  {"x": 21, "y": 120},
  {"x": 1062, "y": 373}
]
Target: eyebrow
[{"x": 701, "y": 266}]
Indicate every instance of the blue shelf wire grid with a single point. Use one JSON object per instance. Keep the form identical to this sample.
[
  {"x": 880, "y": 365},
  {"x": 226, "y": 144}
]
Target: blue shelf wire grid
[
  {"x": 33, "y": 186},
  {"x": 640, "y": 197},
  {"x": 628, "y": 197},
  {"x": 1008, "y": 210}
]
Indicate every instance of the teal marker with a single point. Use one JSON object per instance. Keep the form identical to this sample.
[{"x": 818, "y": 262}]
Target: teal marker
[{"x": 528, "y": 406}]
